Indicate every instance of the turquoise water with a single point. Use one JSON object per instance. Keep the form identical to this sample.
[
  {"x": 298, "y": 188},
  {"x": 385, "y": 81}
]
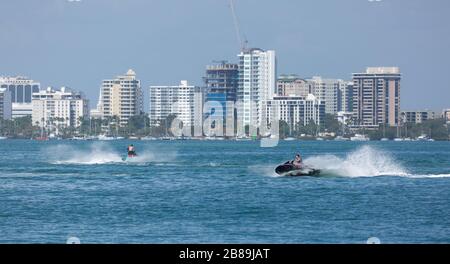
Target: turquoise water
[{"x": 223, "y": 192}]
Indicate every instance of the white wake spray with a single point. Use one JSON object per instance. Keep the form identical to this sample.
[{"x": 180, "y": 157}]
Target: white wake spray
[
  {"x": 364, "y": 162},
  {"x": 98, "y": 153},
  {"x": 101, "y": 153}
]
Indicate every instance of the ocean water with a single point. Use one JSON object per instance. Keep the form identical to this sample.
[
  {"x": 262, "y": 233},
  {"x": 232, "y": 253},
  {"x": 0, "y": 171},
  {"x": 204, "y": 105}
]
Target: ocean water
[{"x": 223, "y": 192}]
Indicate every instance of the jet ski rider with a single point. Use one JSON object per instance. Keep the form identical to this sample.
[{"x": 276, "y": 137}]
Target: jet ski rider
[
  {"x": 298, "y": 162},
  {"x": 131, "y": 151}
]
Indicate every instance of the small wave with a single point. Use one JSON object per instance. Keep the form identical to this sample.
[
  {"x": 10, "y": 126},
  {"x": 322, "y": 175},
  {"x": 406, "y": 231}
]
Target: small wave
[
  {"x": 267, "y": 170},
  {"x": 429, "y": 176}
]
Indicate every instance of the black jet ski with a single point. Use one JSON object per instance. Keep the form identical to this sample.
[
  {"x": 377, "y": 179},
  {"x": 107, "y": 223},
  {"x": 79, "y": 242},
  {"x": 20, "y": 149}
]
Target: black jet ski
[{"x": 288, "y": 169}]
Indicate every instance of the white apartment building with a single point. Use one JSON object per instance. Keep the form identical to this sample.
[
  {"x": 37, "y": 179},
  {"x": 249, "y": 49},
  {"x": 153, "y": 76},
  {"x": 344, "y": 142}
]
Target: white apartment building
[
  {"x": 21, "y": 89},
  {"x": 180, "y": 100},
  {"x": 296, "y": 110},
  {"x": 257, "y": 84},
  {"x": 330, "y": 91},
  {"x": 53, "y": 108},
  {"x": 5, "y": 104},
  {"x": 121, "y": 97}
]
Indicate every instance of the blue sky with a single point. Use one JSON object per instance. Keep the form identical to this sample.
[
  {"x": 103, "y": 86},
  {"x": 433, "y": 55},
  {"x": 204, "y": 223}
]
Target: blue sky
[{"x": 78, "y": 44}]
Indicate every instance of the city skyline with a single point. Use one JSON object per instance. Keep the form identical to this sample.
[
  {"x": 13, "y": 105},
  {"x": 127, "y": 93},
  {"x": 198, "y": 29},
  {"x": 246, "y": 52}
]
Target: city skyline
[{"x": 69, "y": 44}]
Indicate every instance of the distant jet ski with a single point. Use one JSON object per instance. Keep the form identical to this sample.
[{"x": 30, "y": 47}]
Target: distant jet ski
[
  {"x": 131, "y": 153},
  {"x": 288, "y": 169}
]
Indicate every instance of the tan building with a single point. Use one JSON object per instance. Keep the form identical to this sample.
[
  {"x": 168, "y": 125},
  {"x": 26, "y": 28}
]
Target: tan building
[
  {"x": 330, "y": 91},
  {"x": 292, "y": 85},
  {"x": 121, "y": 97},
  {"x": 376, "y": 97}
]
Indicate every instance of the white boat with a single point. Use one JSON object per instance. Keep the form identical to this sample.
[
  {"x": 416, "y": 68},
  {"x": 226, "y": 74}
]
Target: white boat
[
  {"x": 214, "y": 138},
  {"x": 384, "y": 139},
  {"x": 149, "y": 138},
  {"x": 243, "y": 138},
  {"x": 424, "y": 138},
  {"x": 105, "y": 138},
  {"x": 341, "y": 138},
  {"x": 3, "y": 138},
  {"x": 78, "y": 138},
  {"x": 289, "y": 139},
  {"x": 359, "y": 137},
  {"x": 398, "y": 139},
  {"x": 320, "y": 139}
]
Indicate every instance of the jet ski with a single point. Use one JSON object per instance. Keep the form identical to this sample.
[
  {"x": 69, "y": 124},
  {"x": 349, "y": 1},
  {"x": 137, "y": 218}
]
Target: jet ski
[
  {"x": 288, "y": 169},
  {"x": 129, "y": 157}
]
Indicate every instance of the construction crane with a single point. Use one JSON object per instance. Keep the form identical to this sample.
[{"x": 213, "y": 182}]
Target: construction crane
[{"x": 242, "y": 44}]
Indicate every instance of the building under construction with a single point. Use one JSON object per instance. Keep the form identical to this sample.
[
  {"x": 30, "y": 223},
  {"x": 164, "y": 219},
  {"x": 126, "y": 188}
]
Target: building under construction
[{"x": 221, "y": 83}]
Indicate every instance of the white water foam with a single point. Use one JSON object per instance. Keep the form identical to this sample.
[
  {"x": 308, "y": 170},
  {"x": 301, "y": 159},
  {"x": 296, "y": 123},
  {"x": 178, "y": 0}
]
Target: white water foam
[
  {"x": 98, "y": 153},
  {"x": 147, "y": 156},
  {"x": 364, "y": 162},
  {"x": 101, "y": 153},
  {"x": 429, "y": 176}
]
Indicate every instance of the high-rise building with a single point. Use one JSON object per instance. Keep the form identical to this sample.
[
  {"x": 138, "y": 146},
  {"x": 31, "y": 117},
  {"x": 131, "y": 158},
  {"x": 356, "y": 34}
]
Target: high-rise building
[
  {"x": 446, "y": 115},
  {"x": 296, "y": 110},
  {"x": 376, "y": 97},
  {"x": 179, "y": 100},
  {"x": 417, "y": 117},
  {"x": 5, "y": 104},
  {"x": 346, "y": 98},
  {"x": 221, "y": 83},
  {"x": 121, "y": 97},
  {"x": 330, "y": 91},
  {"x": 52, "y": 108},
  {"x": 257, "y": 84},
  {"x": 292, "y": 85},
  {"x": 21, "y": 89}
]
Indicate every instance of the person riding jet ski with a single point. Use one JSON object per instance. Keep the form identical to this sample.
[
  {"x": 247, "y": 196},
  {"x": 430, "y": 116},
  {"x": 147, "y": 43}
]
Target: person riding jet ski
[
  {"x": 296, "y": 167},
  {"x": 297, "y": 162},
  {"x": 131, "y": 151}
]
